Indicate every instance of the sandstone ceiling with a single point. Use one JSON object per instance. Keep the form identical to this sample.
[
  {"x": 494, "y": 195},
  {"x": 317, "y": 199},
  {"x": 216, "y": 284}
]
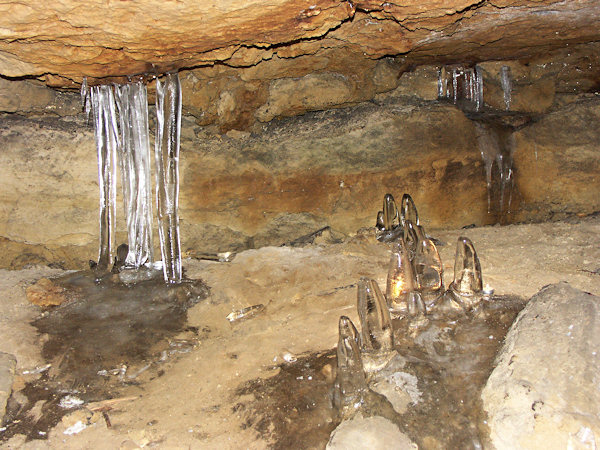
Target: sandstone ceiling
[{"x": 62, "y": 41}]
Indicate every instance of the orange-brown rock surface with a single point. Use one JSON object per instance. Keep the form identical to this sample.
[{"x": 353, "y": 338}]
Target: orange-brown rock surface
[{"x": 63, "y": 41}]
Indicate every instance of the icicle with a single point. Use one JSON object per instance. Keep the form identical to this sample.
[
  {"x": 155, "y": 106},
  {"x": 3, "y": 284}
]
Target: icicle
[
  {"x": 479, "y": 88},
  {"x": 132, "y": 101},
  {"x": 455, "y": 75},
  {"x": 400, "y": 279},
  {"x": 377, "y": 338},
  {"x": 168, "y": 118},
  {"x": 103, "y": 107},
  {"x": 85, "y": 98},
  {"x": 350, "y": 383},
  {"x": 506, "y": 82},
  {"x": 489, "y": 148},
  {"x": 443, "y": 83}
]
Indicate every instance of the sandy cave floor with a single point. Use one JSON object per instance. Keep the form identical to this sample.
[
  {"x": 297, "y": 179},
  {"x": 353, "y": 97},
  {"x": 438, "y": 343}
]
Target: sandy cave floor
[{"x": 198, "y": 397}]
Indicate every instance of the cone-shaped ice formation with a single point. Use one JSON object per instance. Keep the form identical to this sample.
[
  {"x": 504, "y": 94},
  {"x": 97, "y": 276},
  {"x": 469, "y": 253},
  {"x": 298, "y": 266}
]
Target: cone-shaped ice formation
[
  {"x": 350, "y": 383},
  {"x": 411, "y": 239},
  {"x": 428, "y": 270},
  {"x": 105, "y": 125},
  {"x": 467, "y": 286},
  {"x": 134, "y": 157},
  {"x": 408, "y": 211},
  {"x": 168, "y": 129},
  {"x": 377, "y": 334},
  {"x": 390, "y": 212},
  {"x": 400, "y": 279},
  {"x": 415, "y": 305}
]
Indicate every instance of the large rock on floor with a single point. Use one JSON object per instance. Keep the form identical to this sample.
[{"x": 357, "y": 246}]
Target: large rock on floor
[{"x": 545, "y": 390}]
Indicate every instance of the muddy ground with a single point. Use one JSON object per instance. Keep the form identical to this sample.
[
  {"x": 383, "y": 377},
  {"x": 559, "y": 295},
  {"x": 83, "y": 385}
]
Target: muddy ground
[{"x": 257, "y": 382}]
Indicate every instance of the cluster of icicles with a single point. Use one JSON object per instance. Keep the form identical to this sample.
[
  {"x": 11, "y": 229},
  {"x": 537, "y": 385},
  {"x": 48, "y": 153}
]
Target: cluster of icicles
[
  {"x": 465, "y": 84},
  {"x": 120, "y": 115},
  {"x": 414, "y": 288}
]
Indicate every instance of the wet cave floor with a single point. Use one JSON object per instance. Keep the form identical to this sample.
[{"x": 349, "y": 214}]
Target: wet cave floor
[{"x": 153, "y": 366}]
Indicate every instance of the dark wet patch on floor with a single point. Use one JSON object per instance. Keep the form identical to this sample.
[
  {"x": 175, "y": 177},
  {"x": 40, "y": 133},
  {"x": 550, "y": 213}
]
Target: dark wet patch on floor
[
  {"x": 451, "y": 359},
  {"x": 109, "y": 335},
  {"x": 293, "y": 408}
]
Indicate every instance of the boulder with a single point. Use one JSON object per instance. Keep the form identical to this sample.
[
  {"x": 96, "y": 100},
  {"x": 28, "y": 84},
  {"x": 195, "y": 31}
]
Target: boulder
[{"x": 545, "y": 390}]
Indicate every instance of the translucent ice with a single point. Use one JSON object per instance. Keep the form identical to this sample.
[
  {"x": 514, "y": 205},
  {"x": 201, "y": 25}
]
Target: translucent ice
[
  {"x": 387, "y": 224},
  {"x": 134, "y": 158},
  {"x": 506, "y": 83},
  {"x": 410, "y": 239},
  {"x": 408, "y": 211},
  {"x": 350, "y": 383},
  {"x": 400, "y": 279},
  {"x": 390, "y": 212},
  {"x": 168, "y": 129},
  {"x": 467, "y": 286},
  {"x": 463, "y": 85},
  {"x": 377, "y": 337},
  {"x": 105, "y": 125},
  {"x": 415, "y": 305},
  {"x": 497, "y": 150},
  {"x": 428, "y": 270}
]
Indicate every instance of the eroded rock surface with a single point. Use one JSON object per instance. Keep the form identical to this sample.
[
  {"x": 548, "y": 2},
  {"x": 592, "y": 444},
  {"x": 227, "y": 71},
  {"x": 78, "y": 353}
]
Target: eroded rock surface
[
  {"x": 7, "y": 372},
  {"x": 370, "y": 432},
  {"x": 544, "y": 391}
]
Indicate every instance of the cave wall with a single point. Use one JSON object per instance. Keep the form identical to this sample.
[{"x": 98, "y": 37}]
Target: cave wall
[{"x": 322, "y": 157}]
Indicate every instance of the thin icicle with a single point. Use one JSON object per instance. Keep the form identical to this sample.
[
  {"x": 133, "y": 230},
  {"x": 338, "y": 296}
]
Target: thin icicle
[
  {"x": 103, "y": 107},
  {"x": 132, "y": 101},
  {"x": 506, "y": 82},
  {"x": 168, "y": 129}
]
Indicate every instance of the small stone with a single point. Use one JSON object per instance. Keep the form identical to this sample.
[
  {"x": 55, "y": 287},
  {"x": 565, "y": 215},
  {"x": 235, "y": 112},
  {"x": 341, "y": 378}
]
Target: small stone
[
  {"x": 373, "y": 433},
  {"x": 46, "y": 293}
]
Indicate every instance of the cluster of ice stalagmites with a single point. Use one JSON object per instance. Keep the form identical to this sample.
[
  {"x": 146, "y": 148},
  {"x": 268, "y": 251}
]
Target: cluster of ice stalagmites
[
  {"x": 414, "y": 289},
  {"x": 120, "y": 114}
]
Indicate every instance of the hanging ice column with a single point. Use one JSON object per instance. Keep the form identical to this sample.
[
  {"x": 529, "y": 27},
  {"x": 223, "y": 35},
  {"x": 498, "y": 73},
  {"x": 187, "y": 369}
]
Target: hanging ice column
[
  {"x": 105, "y": 125},
  {"x": 166, "y": 150},
  {"x": 134, "y": 153}
]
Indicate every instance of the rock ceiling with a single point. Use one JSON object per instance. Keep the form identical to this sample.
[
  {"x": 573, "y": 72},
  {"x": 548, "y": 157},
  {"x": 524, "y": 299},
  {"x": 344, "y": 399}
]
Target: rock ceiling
[{"x": 60, "y": 42}]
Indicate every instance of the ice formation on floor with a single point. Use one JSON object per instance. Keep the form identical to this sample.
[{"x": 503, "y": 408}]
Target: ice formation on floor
[{"x": 414, "y": 289}]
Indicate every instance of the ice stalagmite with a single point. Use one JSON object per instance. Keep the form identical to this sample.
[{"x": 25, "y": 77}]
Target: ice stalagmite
[
  {"x": 377, "y": 337},
  {"x": 466, "y": 290},
  {"x": 350, "y": 383},
  {"x": 408, "y": 211},
  {"x": 168, "y": 129},
  {"x": 400, "y": 279},
  {"x": 428, "y": 270},
  {"x": 132, "y": 103},
  {"x": 105, "y": 124}
]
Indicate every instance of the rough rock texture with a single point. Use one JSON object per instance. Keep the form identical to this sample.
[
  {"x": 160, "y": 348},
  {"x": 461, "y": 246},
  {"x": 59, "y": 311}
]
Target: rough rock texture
[
  {"x": 556, "y": 162},
  {"x": 292, "y": 177},
  {"x": 100, "y": 39},
  {"x": 544, "y": 391},
  {"x": 7, "y": 373},
  {"x": 374, "y": 433}
]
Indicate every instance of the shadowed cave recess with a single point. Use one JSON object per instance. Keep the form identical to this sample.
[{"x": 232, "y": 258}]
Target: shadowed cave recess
[{"x": 300, "y": 224}]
